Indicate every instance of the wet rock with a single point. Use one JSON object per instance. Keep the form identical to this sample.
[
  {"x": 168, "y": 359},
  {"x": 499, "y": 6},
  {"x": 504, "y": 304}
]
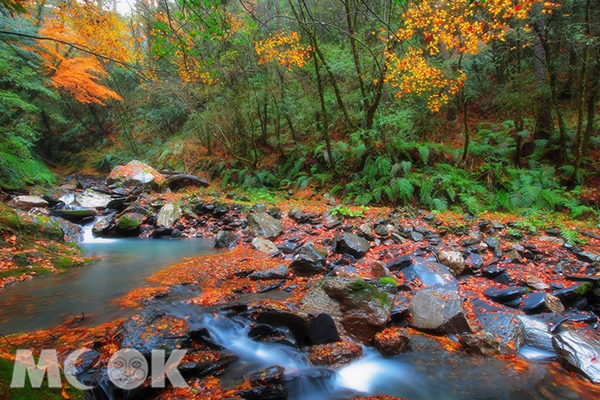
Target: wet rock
[
  {"x": 91, "y": 198},
  {"x": 383, "y": 230},
  {"x": 288, "y": 247},
  {"x": 573, "y": 292},
  {"x": 317, "y": 301},
  {"x": 587, "y": 256},
  {"x": 514, "y": 256},
  {"x": 493, "y": 270},
  {"x": 264, "y": 246},
  {"x": 225, "y": 239},
  {"x": 579, "y": 352},
  {"x": 425, "y": 274},
  {"x": 366, "y": 231},
  {"x": 322, "y": 329},
  {"x": 505, "y": 295},
  {"x": 264, "y": 226},
  {"x": 392, "y": 341},
  {"x": 454, "y": 260},
  {"x": 118, "y": 204},
  {"x": 492, "y": 242},
  {"x": 205, "y": 363},
  {"x": 538, "y": 302},
  {"x": 482, "y": 343},
  {"x": 474, "y": 262},
  {"x": 72, "y": 232},
  {"x": 401, "y": 262},
  {"x": 269, "y": 334},
  {"x": 297, "y": 322},
  {"x": 352, "y": 244},
  {"x": 379, "y": 270},
  {"x": 504, "y": 326},
  {"x": 103, "y": 226},
  {"x": 264, "y": 393},
  {"x": 151, "y": 330},
  {"x": 332, "y": 220},
  {"x": 365, "y": 307},
  {"x": 279, "y": 272},
  {"x": 168, "y": 215},
  {"x": 401, "y": 306},
  {"x": 26, "y": 203},
  {"x": 130, "y": 223},
  {"x": 136, "y": 173},
  {"x": 310, "y": 260},
  {"x": 335, "y": 354},
  {"x": 439, "y": 310},
  {"x": 537, "y": 332},
  {"x": 416, "y": 236},
  {"x": 77, "y": 216},
  {"x": 267, "y": 376}
]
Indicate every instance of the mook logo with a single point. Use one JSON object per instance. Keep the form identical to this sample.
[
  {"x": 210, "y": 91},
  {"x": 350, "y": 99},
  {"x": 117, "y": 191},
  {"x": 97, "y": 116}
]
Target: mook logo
[{"x": 127, "y": 369}]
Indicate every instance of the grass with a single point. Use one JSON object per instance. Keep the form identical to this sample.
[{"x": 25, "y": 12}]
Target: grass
[
  {"x": 29, "y": 393},
  {"x": 39, "y": 271}
]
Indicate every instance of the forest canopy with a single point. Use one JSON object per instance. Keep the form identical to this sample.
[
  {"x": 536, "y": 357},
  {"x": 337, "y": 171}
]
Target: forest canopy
[{"x": 483, "y": 105}]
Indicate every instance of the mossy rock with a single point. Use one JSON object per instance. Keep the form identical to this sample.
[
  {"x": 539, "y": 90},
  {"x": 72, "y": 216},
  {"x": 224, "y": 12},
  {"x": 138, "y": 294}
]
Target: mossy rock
[
  {"x": 130, "y": 222},
  {"x": 24, "y": 271}
]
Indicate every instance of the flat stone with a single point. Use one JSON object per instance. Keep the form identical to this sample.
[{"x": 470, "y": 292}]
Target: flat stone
[
  {"x": 279, "y": 272},
  {"x": 27, "y": 202},
  {"x": 352, "y": 244},
  {"x": 425, "y": 274},
  {"x": 265, "y": 226},
  {"x": 264, "y": 246}
]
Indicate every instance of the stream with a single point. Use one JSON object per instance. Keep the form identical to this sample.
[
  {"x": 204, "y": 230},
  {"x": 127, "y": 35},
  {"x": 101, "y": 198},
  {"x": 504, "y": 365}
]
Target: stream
[
  {"x": 425, "y": 371},
  {"x": 48, "y": 301}
]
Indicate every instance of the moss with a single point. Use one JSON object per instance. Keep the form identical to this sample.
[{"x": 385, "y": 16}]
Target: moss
[
  {"x": 583, "y": 288},
  {"x": 24, "y": 271},
  {"x": 64, "y": 263},
  {"x": 387, "y": 281},
  {"x": 28, "y": 393},
  {"x": 362, "y": 289},
  {"x": 127, "y": 223}
]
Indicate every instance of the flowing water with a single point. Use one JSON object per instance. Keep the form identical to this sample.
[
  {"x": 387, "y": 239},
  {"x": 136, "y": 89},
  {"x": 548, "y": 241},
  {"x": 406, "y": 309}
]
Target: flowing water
[{"x": 48, "y": 301}]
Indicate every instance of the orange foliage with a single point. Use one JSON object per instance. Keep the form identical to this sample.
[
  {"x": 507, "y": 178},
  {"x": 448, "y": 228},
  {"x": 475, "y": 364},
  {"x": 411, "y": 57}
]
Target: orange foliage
[
  {"x": 88, "y": 28},
  {"x": 285, "y": 49},
  {"x": 459, "y": 26}
]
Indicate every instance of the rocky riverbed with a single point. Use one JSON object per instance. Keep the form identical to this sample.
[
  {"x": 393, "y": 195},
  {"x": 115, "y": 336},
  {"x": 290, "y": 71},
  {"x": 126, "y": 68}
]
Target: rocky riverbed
[{"x": 325, "y": 282}]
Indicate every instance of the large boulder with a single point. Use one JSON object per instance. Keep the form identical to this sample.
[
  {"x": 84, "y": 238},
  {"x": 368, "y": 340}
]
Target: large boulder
[
  {"x": 506, "y": 327},
  {"x": 310, "y": 260},
  {"x": 352, "y": 244},
  {"x": 580, "y": 352},
  {"x": 27, "y": 202},
  {"x": 538, "y": 332},
  {"x": 439, "y": 310},
  {"x": 91, "y": 198},
  {"x": 263, "y": 225},
  {"x": 136, "y": 173},
  {"x": 168, "y": 215},
  {"x": 365, "y": 307},
  {"x": 151, "y": 330},
  {"x": 130, "y": 223},
  {"x": 426, "y": 274}
]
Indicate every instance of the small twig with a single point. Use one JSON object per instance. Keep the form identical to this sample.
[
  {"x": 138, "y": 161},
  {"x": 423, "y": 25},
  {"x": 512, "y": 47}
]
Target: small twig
[{"x": 7, "y": 341}]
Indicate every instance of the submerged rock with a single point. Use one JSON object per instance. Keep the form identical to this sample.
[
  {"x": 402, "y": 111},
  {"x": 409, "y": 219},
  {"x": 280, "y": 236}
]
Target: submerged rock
[
  {"x": 264, "y": 226},
  {"x": 580, "y": 352},
  {"x": 276, "y": 392},
  {"x": 482, "y": 343},
  {"x": 439, "y": 310}
]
